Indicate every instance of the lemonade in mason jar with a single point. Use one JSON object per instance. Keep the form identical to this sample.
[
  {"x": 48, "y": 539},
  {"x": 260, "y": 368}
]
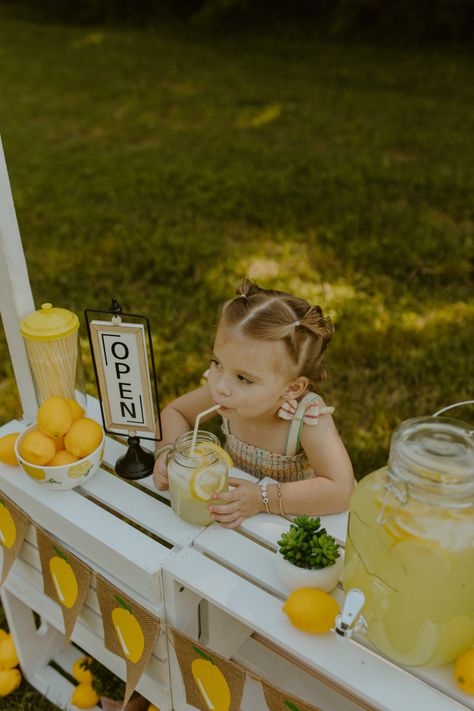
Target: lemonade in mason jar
[
  {"x": 195, "y": 478},
  {"x": 410, "y": 544}
]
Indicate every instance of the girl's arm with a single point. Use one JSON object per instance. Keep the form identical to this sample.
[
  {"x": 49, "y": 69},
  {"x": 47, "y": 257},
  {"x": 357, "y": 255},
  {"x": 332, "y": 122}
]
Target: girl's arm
[
  {"x": 330, "y": 490},
  {"x": 178, "y": 417},
  {"x": 327, "y": 493}
]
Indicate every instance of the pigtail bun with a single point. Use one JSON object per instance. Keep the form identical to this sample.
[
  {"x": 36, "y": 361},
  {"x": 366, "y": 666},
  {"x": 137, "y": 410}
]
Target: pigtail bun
[
  {"x": 247, "y": 288},
  {"x": 315, "y": 321}
]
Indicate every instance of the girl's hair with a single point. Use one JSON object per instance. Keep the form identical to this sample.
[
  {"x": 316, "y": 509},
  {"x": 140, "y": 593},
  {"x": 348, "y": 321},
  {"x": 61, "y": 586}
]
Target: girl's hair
[{"x": 274, "y": 316}]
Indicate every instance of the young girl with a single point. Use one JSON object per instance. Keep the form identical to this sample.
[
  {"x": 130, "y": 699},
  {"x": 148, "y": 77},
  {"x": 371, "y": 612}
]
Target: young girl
[{"x": 266, "y": 364}]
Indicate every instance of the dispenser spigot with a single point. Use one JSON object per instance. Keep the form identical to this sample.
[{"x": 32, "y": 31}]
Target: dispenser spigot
[{"x": 350, "y": 621}]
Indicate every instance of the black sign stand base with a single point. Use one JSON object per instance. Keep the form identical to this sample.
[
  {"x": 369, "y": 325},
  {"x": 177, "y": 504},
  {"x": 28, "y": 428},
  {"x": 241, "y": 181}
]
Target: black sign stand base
[{"x": 136, "y": 463}]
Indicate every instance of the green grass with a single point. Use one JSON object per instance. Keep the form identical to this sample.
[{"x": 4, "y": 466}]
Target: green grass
[{"x": 162, "y": 166}]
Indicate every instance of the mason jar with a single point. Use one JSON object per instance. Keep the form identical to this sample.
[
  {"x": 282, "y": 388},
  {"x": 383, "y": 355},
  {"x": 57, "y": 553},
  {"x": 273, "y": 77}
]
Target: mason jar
[
  {"x": 195, "y": 478},
  {"x": 410, "y": 543}
]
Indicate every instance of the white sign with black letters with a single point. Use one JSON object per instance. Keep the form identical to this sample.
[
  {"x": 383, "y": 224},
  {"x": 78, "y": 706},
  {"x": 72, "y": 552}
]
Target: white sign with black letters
[{"x": 124, "y": 377}]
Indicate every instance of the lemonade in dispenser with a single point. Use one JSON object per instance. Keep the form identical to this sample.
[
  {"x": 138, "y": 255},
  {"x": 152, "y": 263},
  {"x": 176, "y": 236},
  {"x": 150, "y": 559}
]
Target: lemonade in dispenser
[
  {"x": 51, "y": 337},
  {"x": 410, "y": 544}
]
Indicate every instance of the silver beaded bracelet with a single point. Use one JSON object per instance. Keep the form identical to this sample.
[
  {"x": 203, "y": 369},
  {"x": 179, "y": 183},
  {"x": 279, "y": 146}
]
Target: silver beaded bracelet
[{"x": 264, "y": 493}]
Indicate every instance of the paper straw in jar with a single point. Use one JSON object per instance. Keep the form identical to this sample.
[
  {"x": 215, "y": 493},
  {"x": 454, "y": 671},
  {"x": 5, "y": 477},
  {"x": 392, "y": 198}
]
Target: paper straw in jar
[
  {"x": 54, "y": 365},
  {"x": 196, "y": 426}
]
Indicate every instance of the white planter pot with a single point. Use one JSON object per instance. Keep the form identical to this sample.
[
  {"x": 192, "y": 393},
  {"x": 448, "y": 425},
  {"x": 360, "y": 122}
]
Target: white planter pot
[{"x": 294, "y": 577}]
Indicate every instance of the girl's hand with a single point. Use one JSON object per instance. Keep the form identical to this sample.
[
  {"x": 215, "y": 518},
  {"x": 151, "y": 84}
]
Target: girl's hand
[
  {"x": 230, "y": 508},
  {"x": 160, "y": 472}
]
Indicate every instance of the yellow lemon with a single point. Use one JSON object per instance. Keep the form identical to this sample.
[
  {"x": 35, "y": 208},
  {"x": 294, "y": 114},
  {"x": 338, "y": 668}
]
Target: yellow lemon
[
  {"x": 128, "y": 631},
  {"x": 311, "y": 610},
  {"x": 54, "y": 417},
  {"x": 211, "y": 682},
  {"x": 205, "y": 483},
  {"x": 7, "y": 527},
  {"x": 37, "y": 448},
  {"x": 3, "y": 635},
  {"x": 61, "y": 458},
  {"x": 10, "y": 680},
  {"x": 8, "y": 655},
  {"x": 83, "y": 438},
  {"x": 152, "y": 707},
  {"x": 78, "y": 671},
  {"x": 34, "y": 472},
  {"x": 64, "y": 579},
  {"x": 84, "y": 696},
  {"x": 76, "y": 410},
  {"x": 464, "y": 671},
  {"x": 7, "y": 449}
]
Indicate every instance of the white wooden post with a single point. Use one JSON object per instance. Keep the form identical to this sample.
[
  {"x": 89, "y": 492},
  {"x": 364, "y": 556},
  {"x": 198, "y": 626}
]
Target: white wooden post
[{"x": 16, "y": 299}]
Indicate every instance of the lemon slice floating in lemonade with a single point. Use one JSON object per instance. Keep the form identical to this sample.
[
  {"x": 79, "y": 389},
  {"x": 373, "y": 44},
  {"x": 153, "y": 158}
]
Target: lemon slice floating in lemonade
[{"x": 206, "y": 481}]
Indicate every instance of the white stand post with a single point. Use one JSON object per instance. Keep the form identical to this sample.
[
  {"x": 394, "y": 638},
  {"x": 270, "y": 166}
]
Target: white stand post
[{"x": 16, "y": 299}]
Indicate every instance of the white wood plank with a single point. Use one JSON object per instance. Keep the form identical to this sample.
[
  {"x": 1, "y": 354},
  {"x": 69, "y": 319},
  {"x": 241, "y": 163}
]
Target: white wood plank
[
  {"x": 16, "y": 299},
  {"x": 343, "y": 661},
  {"x": 243, "y": 555},
  {"x": 138, "y": 506}
]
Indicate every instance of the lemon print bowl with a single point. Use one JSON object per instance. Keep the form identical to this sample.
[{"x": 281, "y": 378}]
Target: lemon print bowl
[{"x": 62, "y": 476}]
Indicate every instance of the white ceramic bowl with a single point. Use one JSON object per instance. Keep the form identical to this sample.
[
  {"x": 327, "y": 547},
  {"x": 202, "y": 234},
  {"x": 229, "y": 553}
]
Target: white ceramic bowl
[
  {"x": 294, "y": 577},
  {"x": 66, "y": 476}
]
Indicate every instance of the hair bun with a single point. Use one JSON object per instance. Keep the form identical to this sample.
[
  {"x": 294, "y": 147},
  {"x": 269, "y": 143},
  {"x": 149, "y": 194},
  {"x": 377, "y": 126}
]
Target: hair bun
[{"x": 247, "y": 288}]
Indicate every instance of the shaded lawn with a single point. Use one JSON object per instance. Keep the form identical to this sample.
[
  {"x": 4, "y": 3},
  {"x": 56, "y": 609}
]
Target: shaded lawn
[{"x": 163, "y": 166}]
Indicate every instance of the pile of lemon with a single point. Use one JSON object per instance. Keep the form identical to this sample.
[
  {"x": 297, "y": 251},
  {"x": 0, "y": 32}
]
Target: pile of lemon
[
  {"x": 85, "y": 696},
  {"x": 62, "y": 436},
  {"x": 10, "y": 676}
]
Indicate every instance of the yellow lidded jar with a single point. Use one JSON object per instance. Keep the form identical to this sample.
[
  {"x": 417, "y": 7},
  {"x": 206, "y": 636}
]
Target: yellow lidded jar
[
  {"x": 410, "y": 543},
  {"x": 51, "y": 337}
]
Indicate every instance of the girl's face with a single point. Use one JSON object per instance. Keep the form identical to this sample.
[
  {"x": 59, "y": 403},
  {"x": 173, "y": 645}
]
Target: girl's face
[{"x": 248, "y": 377}]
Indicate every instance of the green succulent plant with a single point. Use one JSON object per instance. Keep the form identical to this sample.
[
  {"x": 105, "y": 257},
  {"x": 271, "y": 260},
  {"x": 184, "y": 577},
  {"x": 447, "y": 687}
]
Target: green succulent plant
[{"x": 307, "y": 545}]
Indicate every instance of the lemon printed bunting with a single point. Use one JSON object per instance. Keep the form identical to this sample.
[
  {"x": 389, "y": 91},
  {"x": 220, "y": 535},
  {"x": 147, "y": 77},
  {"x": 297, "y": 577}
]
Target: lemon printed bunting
[
  {"x": 66, "y": 579},
  {"x": 212, "y": 683},
  {"x": 279, "y": 700},
  {"x": 13, "y": 527},
  {"x": 7, "y": 526},
  {"x": 130, "y": 631}
]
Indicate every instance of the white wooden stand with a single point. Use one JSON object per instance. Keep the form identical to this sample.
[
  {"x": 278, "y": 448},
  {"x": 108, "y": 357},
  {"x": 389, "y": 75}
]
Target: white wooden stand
[{"x": 216, "y": 585}]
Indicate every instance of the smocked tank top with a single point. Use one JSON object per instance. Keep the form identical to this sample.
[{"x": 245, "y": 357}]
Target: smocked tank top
[{"x": 294, "y": 464}]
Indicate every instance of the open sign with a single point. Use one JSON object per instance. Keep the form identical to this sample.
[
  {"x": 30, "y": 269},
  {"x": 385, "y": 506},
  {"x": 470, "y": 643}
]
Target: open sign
[{"x": 123, "y": 377}]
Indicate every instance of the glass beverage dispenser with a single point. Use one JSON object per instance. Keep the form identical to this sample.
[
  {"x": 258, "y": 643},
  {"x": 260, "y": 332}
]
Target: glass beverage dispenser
[{"x": 410, "y": 544}]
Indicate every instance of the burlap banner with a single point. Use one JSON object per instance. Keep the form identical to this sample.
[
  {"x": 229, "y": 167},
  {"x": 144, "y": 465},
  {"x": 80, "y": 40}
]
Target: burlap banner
[
  {"x": 278, "y": 700},
  {"x": 211, "y": 682},
  {"x": 66, "y": 579},
  {"x": 13, "y": 527},
  {"x": 129, "y": 630}
]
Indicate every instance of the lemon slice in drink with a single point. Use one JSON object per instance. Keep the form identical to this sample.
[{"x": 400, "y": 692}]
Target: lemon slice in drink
[
  {"x": 205, "y": 482},
  {"x": 208, "y": 447}
]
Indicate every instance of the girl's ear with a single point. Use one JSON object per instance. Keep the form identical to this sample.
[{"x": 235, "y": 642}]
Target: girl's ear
[{"x": 296, "y": 388}]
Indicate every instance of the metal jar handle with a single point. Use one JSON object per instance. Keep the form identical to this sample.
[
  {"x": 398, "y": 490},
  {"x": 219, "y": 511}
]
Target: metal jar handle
[{"x": 451, "y": 407}]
